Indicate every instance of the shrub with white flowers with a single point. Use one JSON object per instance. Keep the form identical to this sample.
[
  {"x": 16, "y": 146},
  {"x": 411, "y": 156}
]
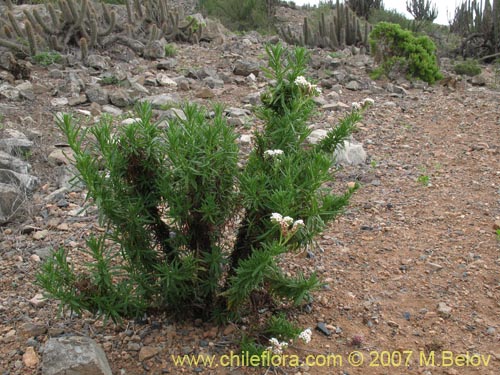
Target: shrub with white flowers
[{"x": 172, "y": 199}]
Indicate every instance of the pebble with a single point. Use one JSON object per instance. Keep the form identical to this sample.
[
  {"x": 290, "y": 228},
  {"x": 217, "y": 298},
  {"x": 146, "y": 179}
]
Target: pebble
[
  {"x": 30, "y": 358},
  {"x": 323, "y": 329},
  {"x": 38, "y": 300},
  {"x": 40, "y": 235},
  {"x": 147, "y": 352},
  {"x": 443, "y": 309},
  {"x": 491, "y": 331}
]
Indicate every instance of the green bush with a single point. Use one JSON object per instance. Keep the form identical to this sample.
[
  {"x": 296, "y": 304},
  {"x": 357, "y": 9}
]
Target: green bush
[
  {"x": 395, "y": 48},
  {"x": 240, "y": 15},
  {"x": 47, "y": 58},
  {"x": 170, "y": 50},
  {"x": 186, "y": 228},
  {"x": 469, "y": 68},
  {"x": 389, "y": 15}
]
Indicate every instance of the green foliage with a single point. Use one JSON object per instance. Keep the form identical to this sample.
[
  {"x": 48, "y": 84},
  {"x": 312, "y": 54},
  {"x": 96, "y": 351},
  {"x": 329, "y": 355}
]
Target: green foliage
[
  {"x": 280, "y": 327},
  {"x": 498, "y": 234},
  {"x": 170, "y": 50},
  {"x": 241, "y": 15},
  {"x": 186, "y": 228},
  {"x": 395, "y": 48},
  {"x": 390, "y": 16},
  {"x": 47, "y": 58},
  {"x": 468, "y": 67}
]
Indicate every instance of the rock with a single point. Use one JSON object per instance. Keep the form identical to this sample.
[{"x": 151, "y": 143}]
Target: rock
[
  {"x": 316, "y": 136},
  {"x": 120, "y": 98},
  {"x": 44, "y": 252},
  {"x": 246, "y": 67},
  {"x": 205, "y": 93},
  {"x": 214, "y": 83},
  {"x": 97, "y": 62},
  {"x": 166, "y": 81},
  {"x": 444, "y": 309},
  {"x": 334, "y": 106},
  {"x": 74, "y": 355},
  {"x": 9, "y": 92},
  {"x": 174, "y": 113},
  {"x": 147, "y": 352},
  {"x": 162, "y": 100},
  {"x": 214, "y": 32},
  {"x": 353, "y": 86},
  {"x": 496, "y": 225},
  {"x": 25, "y": 182},
  {"x": 17, "y": 144},
  {"x": 112, "y": 110},
  {"x": 491, "y": 331},
  {"x": 11, "y": 198},
  {"x": 26, "y": 90},
  {"x": 38, "y": 300},
  {"x": 77, "y": 100},
  {"x": 155, "y": 49},
  {"x": 13, "y": 163},
  {"x": 30, "y": 358},
  {"x": 352, "y": 153},
  {"x": 97, "y": 94},
  {"x": 479, "y": 80},
  {"x": 322, "y": 328},
  {"x": 28, "y": 330},
  {"x": 166, "y": 64},
  {"x": 40, "y": 235},
  {"x": 61, "y": 156}
]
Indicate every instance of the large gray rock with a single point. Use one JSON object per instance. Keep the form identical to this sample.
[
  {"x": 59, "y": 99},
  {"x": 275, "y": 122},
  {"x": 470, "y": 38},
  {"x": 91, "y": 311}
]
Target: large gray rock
[{"x": 74, "y": 355}]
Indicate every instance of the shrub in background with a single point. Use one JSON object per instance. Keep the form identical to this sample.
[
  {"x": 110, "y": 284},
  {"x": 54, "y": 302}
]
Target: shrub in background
[
  {"x": 469, "y": 68},
  {"x": 186, "y": 229},
  {"x": 241, "y": 15},
  {"x": 394, "y": 48}
]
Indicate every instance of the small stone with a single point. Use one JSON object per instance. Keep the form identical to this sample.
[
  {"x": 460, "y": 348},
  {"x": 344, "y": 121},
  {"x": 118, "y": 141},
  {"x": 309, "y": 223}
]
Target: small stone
[
  {"x": 393, "y": 324},
  {"x": 323, "y": 329},
  {"x": 351, "y": 184},
  {"x": 496, "y": 225},
  {"x": 166, "y": 81},
  {"x": 63, "y": 227},
  {"x": 435, "y": 266},
  {"x": 59, "y": 102},
  {"x": 147, "y": 352},
  {"x": 38, "y": 300},
  {"x": 205, "y": 93},
  {"x": 40, "y": 235},
  {"x": 444, "y": 309},
  {"x": 229, "y": 330},
  {"x": 134, "y": 346},
  {"x": 491, "y": 331},
  {"x": 35, "y": 258},
  {"x": 27, "y": 330},
  {"x": 30, "y": 358}
]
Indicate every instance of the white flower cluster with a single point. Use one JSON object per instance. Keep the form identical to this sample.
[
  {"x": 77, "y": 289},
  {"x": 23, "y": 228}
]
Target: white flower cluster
[
  {"x": 308, "y": 87},
  {"x": 306, "y": 335},
  {"x": 276, "y": 347},
  {"x": 286, "y": 222},
  {"x": 273, "y": 153},
  {"x": 356, "y": 106}
]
